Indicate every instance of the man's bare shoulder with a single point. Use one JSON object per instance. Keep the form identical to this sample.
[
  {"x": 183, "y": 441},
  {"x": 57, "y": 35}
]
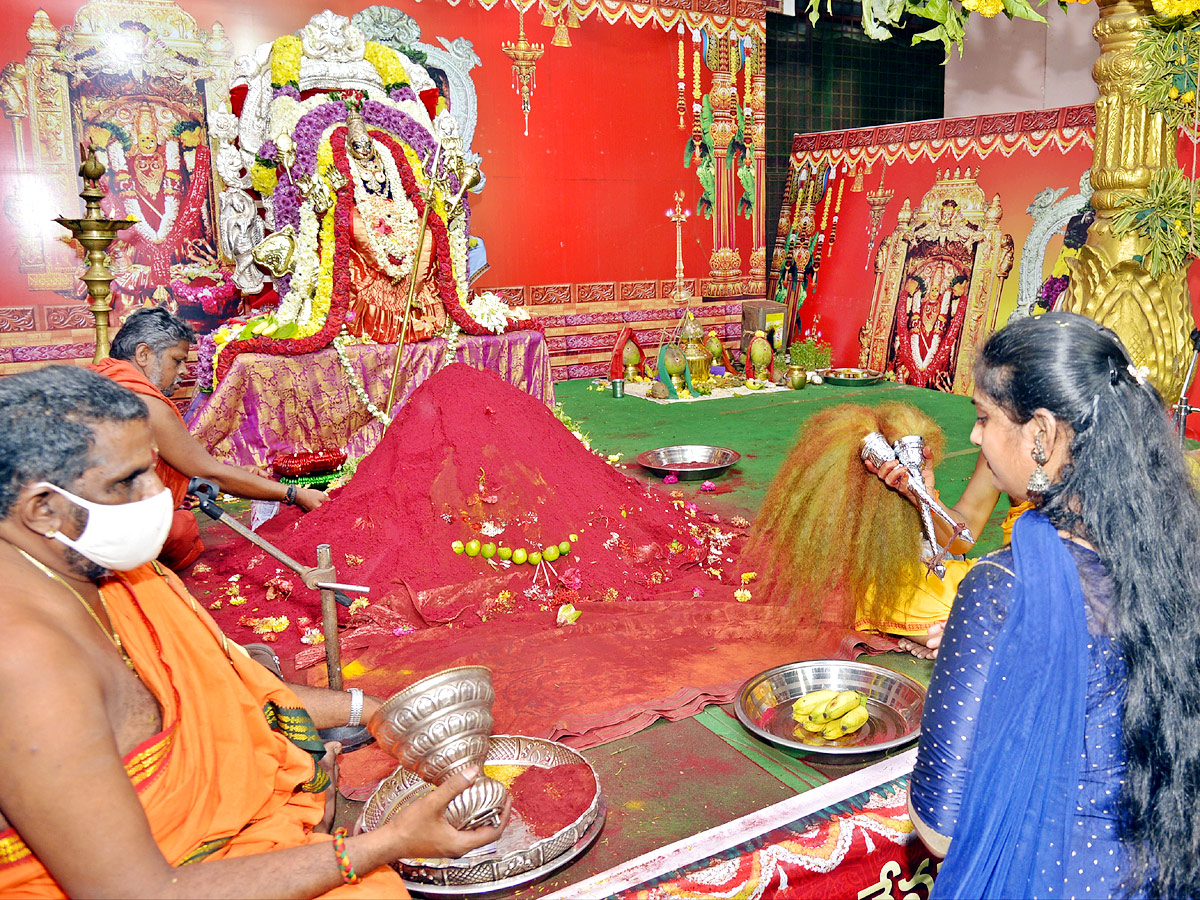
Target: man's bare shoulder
[{"x": 36, "y": 638}]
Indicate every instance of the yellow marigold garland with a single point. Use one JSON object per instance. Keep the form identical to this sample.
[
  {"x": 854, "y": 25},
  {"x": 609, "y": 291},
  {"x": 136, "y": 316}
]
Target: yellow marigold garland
[
  {"x": 387, "y": 63},
  {"x": 985, "y": 8},
  {"x": 285, "y": 61},
  {"x": 263, "y": 178}
]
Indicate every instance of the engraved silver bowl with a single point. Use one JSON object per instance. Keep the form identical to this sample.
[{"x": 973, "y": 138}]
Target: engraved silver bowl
[
  {"x": 514, "y": 859},
  {"x": 440, "y": 726},
  {"x": 764, "y": 706}
]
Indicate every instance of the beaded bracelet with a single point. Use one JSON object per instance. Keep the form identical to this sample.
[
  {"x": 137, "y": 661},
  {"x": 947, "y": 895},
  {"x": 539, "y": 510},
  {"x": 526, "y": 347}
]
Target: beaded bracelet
[{"x": 349, "y": 876}]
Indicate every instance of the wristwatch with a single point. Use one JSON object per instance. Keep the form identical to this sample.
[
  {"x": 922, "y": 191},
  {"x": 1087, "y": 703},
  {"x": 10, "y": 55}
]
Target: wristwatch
[
  {"x": 356, "y": 707},
  {"x": 290, "y": 499}
]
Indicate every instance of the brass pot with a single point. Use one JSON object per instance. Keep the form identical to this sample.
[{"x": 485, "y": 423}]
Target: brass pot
[
  {"x": 631, "y": 373},
  {"x": 797, "y": 377},
  {"x": 699, "y": 361}
]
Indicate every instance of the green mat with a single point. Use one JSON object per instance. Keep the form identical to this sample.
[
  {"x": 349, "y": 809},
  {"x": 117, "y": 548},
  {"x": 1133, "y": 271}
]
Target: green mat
[{"x": 762, "y": 428}]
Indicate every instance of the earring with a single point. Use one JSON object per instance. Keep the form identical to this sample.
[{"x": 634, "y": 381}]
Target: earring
[{"x": 1039, "y": 481}]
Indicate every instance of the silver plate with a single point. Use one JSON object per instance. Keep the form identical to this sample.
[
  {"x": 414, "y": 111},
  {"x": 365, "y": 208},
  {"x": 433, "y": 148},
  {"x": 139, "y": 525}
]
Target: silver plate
[
  {"x": 689, "y": 462},
  {"x": 505, "y": 885},
  {"x": 851, "y": 377},
  {"x": 514, "y": 855},
  {"x": 764, "y": 705}
]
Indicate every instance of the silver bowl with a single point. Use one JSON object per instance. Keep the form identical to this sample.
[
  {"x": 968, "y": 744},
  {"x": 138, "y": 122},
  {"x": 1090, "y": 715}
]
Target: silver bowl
[
  {"x": 764, "y": 706},
  {"x": 514, "y": 859},
  {"x": 689, "y": 462},
  {"x": 442, "y": 725}
]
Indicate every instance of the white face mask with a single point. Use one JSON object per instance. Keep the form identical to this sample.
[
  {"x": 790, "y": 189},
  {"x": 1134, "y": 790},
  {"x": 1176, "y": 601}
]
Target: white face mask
[{"x": 120, "y": 536}]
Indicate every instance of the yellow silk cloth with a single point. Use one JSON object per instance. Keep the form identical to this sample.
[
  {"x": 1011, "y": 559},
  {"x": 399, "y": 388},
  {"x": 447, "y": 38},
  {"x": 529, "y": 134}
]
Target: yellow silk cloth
[
  {"x": 217, "y": 775},
  {"x": 271, "y": 405},
  {"x": 931, "y": 602}
]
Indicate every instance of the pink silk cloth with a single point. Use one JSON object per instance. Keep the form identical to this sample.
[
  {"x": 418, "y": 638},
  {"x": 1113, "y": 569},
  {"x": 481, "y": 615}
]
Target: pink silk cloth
[{"x": 272, "y": 405}]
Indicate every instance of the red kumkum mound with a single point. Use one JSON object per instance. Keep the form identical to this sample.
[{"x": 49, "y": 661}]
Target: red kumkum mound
[
  {"x": 471, "y": 457},
  {"x": 548, "y": 800}
]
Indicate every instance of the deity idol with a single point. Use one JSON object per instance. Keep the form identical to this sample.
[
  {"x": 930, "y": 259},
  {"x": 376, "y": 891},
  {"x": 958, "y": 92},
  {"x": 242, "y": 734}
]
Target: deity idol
[
  {"x": 349, "y": 146},
  {"x": 384, "y": 228}
]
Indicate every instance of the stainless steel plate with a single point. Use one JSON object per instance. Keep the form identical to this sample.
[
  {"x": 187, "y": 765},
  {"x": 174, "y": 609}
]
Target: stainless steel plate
[
  {"x": 764, "y": 705},
  {"x": 689, "y": 462},
  {"x": 517, "y": 855},
  {"x": 852, "y": 377}
]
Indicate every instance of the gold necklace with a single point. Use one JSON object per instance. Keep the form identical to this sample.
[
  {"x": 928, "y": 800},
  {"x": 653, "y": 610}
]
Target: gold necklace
[{"x": 112, "y": 634}]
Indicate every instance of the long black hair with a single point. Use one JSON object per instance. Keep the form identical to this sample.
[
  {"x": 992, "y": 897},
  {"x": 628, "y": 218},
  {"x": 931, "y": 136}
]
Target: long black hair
[{"x": 1126, "y": 489}]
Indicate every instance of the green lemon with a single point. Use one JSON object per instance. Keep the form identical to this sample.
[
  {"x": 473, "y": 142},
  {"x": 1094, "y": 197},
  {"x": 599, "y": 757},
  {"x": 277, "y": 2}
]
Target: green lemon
[
  {"x": 504, "y": 552},
  {"x": 458, "y": 546},
  {"x": 487, "y": 551},
  {"x": 564, "y": 548},
  {"x": 550, "y": 554},
  {"x": 472, "y": 548},
  {"x": 520, "y": 555},
  {"x": 535, "y": 557}
]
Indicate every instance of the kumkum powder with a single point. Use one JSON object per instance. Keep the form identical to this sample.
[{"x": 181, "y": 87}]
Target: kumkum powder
[{"x": 548, "y": 800}]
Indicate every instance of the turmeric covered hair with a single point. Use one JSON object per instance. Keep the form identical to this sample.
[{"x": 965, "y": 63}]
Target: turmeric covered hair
[{"x": 832, "y": 541}]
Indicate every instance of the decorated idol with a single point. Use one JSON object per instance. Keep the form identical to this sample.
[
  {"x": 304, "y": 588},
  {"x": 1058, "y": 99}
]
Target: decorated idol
[{"x": 355, "y": 160}]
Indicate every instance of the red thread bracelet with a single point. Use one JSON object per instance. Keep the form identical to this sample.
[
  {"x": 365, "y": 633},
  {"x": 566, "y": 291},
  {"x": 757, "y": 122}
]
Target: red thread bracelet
[{"x": 349, "y": 876}]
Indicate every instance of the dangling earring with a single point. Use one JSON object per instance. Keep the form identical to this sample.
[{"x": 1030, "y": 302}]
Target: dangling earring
[{"x": 1039, "y": 481}]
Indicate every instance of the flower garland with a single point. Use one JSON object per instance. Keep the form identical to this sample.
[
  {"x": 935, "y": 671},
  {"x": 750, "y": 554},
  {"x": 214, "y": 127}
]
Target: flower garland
[
  {"x": 339, "y": 293},
  {"x": 490, "y": 311},
  {"x": 286, "y": 54},
  {"x": 387, "y": 63},
  {"x": 339, "y": 344},
  {"x": 213, "y": 298}
]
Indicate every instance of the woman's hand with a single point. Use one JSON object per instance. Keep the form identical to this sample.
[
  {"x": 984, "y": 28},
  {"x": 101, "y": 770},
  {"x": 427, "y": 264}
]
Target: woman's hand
[
  {"x": 421, "y": 831},
  {"x": 895, "y": 476}
]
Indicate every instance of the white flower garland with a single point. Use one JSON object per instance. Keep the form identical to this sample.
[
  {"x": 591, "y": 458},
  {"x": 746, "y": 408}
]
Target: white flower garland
[
  {"x": 451, "y": 334},
  {"x": 339, "y": 344},
  {"x": 490, "y": 311},
  {"x": 398, "y": 213}
]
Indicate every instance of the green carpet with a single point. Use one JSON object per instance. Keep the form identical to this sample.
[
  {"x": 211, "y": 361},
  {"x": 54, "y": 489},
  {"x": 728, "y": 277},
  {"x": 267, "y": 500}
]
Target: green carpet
[{"x": 762, "y": 428}]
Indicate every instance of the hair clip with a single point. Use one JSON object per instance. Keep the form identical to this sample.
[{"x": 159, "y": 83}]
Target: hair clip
[{"x": 1138, "y": 373}]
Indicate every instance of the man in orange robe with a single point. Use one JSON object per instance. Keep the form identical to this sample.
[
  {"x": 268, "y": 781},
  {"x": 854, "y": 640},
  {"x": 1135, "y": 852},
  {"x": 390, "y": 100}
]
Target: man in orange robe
[
  {"x": 149, "y": 356},
  {"x": 148, "y": 756}
]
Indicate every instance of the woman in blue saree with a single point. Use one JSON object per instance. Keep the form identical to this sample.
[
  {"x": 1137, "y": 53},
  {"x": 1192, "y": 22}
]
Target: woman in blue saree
[{"x": 1060, "y": 744}]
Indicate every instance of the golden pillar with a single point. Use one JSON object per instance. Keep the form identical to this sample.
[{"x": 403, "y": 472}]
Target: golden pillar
[
  {"x": 725, "y": 263},
  {"x": 756, "y": 128},
  {"x": 1108, "y": 284}
]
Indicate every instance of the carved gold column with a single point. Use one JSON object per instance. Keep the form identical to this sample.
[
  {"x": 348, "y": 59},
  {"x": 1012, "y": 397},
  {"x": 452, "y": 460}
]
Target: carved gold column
[
  {"x": 725, "y": 263},
  {"x": 1153, "y": 317},
  {"x": 756, "y": 127}
]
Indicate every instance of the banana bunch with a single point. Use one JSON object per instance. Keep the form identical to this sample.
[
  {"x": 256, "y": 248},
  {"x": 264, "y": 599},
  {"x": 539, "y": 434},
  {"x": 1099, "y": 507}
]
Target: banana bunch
[{"x": 831, "y": 714}]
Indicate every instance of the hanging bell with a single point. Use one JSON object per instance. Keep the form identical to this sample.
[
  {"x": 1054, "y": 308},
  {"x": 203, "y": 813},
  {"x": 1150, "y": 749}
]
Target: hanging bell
[
  {"x": 561, "y": 38},
  {"x": 572, "y": 16},
  {"x": 548, "y": 16}
]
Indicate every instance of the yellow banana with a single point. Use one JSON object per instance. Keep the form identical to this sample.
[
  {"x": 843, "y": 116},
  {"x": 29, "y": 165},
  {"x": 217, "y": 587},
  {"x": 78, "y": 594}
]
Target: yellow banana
[
  {"x": 810, "y": 701},
  {"x": 813, "y": 727},
  {"x": 837, "y": 707},
  {"x": 847, "y": 724}
]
